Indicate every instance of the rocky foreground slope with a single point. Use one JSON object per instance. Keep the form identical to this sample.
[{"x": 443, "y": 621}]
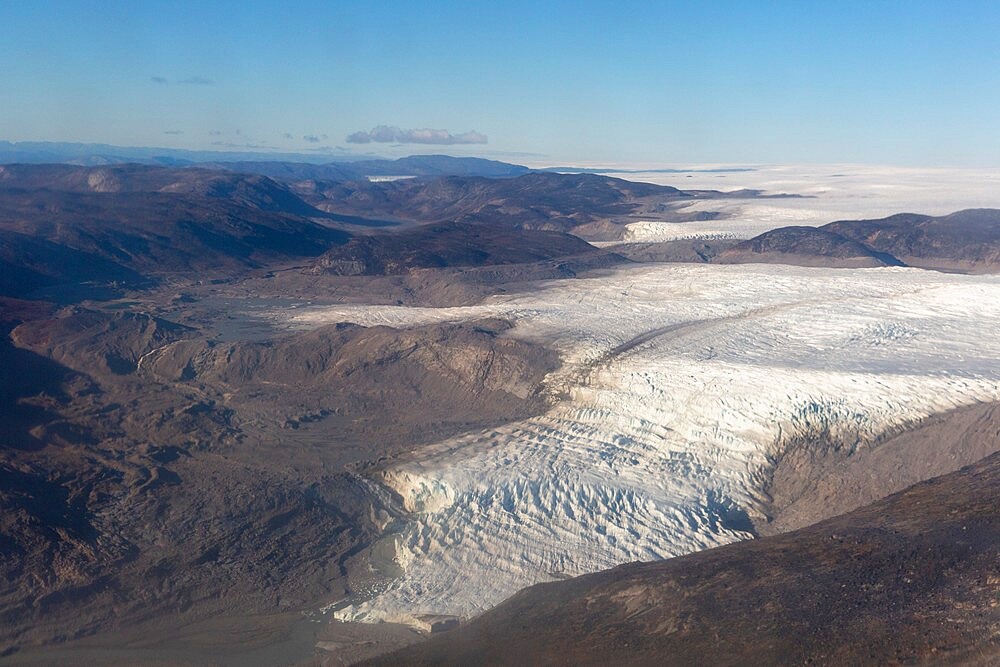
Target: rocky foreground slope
[
  {"x": 909, "y": 579},
  {"x": 148, "y": 474}
]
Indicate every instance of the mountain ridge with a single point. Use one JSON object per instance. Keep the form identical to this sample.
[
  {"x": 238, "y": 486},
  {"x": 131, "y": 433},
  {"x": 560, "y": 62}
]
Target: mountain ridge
[{"x": 965, "y": 241}]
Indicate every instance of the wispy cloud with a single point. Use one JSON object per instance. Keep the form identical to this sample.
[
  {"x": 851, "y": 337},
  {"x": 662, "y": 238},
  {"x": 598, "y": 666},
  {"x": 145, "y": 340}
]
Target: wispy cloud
[
  {"x": 331, "y": 150},
  {"x": 315, "y": 138},
  {"x": 173, "y": 132},
  {"x": 190, "y": 81},
  {"x": 287, "y": 135},
  {"x": 386, "y": 134},
  {"x": 230, "y": 144},
  {"x": 215, "y": 133}
]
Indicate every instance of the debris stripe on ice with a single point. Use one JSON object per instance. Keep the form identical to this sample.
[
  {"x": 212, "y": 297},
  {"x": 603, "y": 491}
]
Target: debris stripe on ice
[{"x": 661, "y": 449}]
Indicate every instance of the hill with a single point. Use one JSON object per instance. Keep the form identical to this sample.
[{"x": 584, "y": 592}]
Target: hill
[
  {"x": 805, "y": 246},
  {"x": 446, "y": 245},
  {"x": 967, "y": 240},
  {"x": 130, "y": 224}
]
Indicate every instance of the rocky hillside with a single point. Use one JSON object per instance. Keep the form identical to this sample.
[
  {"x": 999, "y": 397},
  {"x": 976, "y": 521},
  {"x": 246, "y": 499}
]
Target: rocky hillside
[
  {"x": 967, "y": 240},
  {"x": 150, "y": 474},
  {"x": 129, "y": 225},
  {"x": 446, "y": 245},
  {"x": 805, "y": 246},
  {"x": 559, "y": 202}
]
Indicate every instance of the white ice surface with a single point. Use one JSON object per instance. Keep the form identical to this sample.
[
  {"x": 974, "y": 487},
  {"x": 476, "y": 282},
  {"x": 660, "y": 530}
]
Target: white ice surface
[
  {"x": 656, "y": 449},
  {"x": 830, "y": 192}
]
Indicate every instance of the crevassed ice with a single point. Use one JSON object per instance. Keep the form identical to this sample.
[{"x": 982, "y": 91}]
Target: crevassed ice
[{"x": 679, "y": 384}]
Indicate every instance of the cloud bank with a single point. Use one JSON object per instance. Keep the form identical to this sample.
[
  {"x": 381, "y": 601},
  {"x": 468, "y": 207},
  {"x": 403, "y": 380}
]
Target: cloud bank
[
  {"x": 191, "y": 81},
  {"x": 385, "y": 134}
]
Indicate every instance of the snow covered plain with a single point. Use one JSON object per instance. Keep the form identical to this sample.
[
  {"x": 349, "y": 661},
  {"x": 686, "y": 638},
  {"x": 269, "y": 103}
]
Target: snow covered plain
[
  {"x": 680, "y": 384},
  {"x": 828, "y": 193}
]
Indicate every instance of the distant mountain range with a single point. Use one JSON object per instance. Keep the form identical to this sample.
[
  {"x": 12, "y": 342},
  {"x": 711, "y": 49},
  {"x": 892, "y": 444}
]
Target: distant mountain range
[
  {"x": 281, "y": 166},
  {"x": 100, "y": 228},
  {"x": 414, "y": 165},
  {"x": 93, "y": 155}
]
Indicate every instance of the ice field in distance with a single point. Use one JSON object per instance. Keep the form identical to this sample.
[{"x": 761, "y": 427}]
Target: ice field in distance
[{"x": 827, "y": 193}]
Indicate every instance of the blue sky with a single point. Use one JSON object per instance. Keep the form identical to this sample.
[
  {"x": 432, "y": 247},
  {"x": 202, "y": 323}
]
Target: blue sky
[{"x": 736, "y": 82}]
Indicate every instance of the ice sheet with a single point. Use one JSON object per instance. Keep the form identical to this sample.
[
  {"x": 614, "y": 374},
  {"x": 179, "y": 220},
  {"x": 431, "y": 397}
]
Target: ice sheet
[{"x": 829, "y": 192}]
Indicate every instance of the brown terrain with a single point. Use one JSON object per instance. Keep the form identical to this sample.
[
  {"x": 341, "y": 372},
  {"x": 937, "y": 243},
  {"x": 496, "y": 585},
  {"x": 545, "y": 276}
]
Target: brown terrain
[
  {"x": 183, "y": 479},
  {"x": 446, "y": 245},
  {"x": 163, "y": 466},
  {"x": 150, "y": 472}
]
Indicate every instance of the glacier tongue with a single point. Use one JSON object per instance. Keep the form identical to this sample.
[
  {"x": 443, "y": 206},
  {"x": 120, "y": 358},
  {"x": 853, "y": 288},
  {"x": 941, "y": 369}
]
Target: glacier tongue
[{"x": 680, "y": 385}]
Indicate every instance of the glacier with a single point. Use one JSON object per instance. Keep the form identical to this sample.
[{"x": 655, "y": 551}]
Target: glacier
[{"x": 680, "y": 385}]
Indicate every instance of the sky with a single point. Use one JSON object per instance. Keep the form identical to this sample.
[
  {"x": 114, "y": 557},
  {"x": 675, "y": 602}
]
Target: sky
[{"x": 651, "y": 83}]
